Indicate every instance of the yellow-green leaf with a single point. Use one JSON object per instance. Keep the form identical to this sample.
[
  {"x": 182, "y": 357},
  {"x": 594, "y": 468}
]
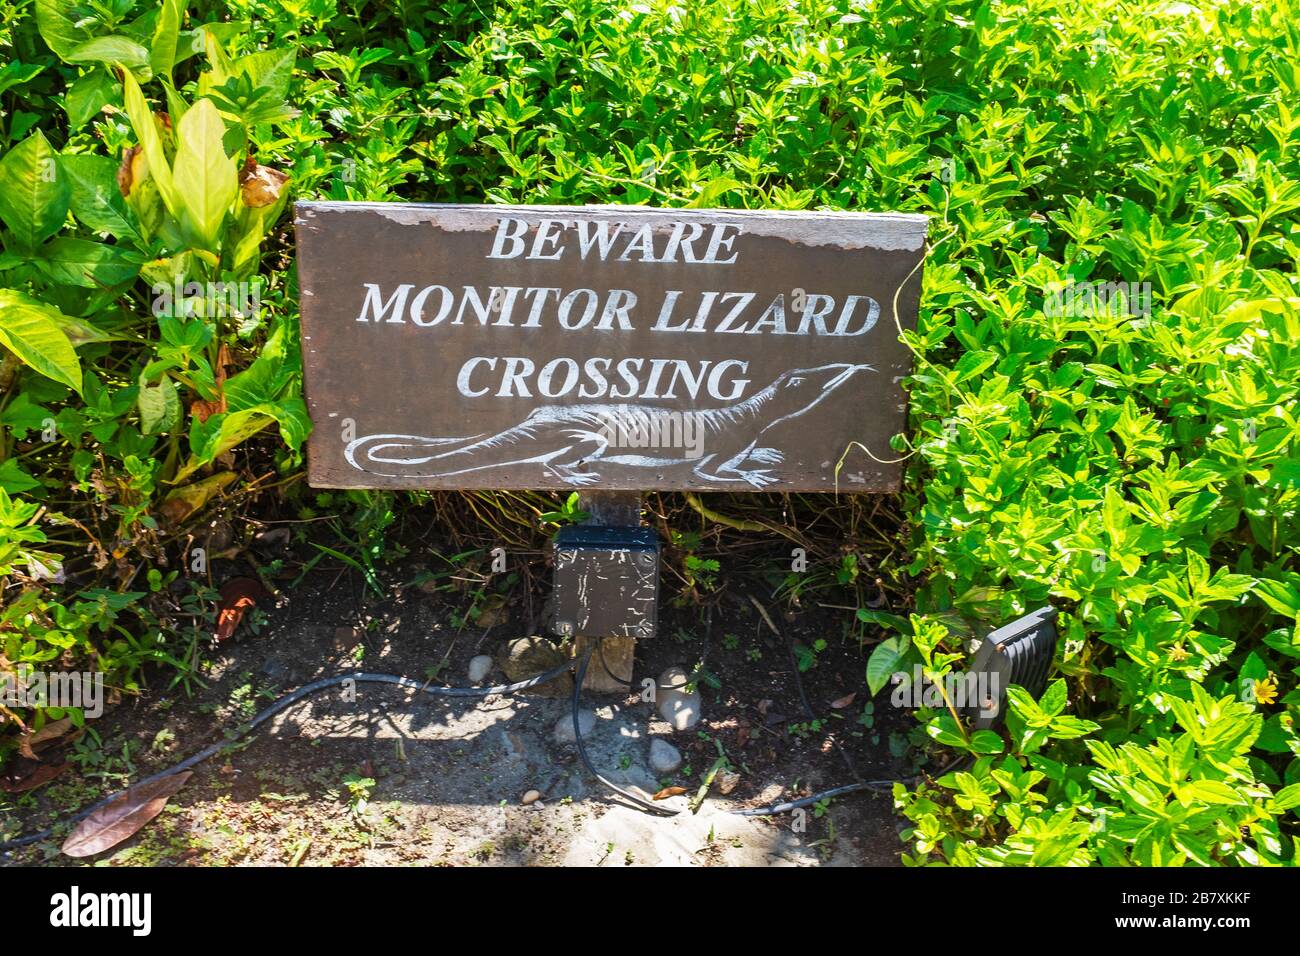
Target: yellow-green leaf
[
  {"x": 142, "y": 121},
  {"x": 204, "y": 176},
  {"x": 33, "y": 332}
]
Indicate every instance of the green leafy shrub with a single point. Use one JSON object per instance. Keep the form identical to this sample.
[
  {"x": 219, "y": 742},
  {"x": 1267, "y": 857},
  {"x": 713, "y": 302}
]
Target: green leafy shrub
[{"x": 1104, "y": 401}]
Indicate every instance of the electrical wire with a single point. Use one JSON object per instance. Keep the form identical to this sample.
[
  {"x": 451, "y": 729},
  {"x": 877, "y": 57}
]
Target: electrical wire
[
  {"x": 363, "y": 677},
  {"x": 770, "y": 810},
  {"x": 600, "y": 651},
  {"x": 582, "y": 749},
  {"x": 360, "y": 677}
]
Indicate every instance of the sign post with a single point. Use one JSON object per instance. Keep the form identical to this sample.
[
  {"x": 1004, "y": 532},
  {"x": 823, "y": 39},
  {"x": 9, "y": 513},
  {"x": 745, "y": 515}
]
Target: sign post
[{"x": 605, "y": 348}]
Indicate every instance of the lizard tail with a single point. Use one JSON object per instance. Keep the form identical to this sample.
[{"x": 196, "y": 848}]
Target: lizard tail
[{"x": 401, "y": 455}]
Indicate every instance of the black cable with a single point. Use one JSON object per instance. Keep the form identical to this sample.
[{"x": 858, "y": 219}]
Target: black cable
[
  {"x": 586, "y": 761},
  {"x": 363, "y": 677},
  {"x": 600, "y": 651},
  {"x": 775, "y": 808},
  {"x": 288, "y": 701}
]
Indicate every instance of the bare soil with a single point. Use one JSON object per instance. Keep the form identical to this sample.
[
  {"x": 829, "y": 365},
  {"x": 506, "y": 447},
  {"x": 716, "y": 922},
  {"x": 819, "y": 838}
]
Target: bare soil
[{"x": 396, "y": 777}]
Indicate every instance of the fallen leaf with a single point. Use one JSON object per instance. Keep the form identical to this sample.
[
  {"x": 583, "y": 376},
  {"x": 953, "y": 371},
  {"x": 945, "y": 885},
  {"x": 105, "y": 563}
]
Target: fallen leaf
[
  {"x": 492, "y": 611},
  {"x": 728, "y": 781},
  {"x": 122, "y": 818},
  {"x": 47, "y": 735},
  {"x": 40, "y": 775},
  {"x": 742, "y": 735},
  {"x": 182, "y": 502},
  {"x": 844, "y": 701},
  {"x": 238, "y": 596},
  {"x": 667, "y": 792}
]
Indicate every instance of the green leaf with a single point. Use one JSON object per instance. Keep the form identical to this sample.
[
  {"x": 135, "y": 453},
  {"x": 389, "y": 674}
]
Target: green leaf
[
  {"x": 113, "y": 50},
  {"x": 205, "y": 178},
  {"x": 1054, "y": 700},
  {"x": 34, "y": 195},
  {"x": 160, "y": 407},
  {"x": 219, "y": 434},
  {"x": 96, "y": 200},
  {"x": 87, "y": 96},
  {"x": 13, "y": 479},
  {"x": 714, "y": 190},
  {"x": 986, "y": 742},
  {"x": 162, "y": 50},
  {"x": 884, "y": 661},
  {"x": 1288, "y": 798},
  {"x": 32, "y": 331},
  {"x": 1282, "y": 596},
  {"x": 1216, "y": 792},
  {"x": 83, "y": 262},
  {"x": 55, "y": 23},
  {"x": 272, "y": 69}
]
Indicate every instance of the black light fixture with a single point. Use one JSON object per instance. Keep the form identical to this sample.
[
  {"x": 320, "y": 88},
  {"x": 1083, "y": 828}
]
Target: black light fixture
[{"x": 1017, "y": 653}]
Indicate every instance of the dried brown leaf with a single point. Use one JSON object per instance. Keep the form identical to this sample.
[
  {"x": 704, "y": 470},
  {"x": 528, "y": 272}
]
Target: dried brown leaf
[
  {"x": 667, "y": 792},
  {"x": 49, "y": 734},
  {"x": 185, "y": 501},
  {"x": 122, "y": 818},
  {"x": 39, "y": 776},
  {"x": 260, "y": 185},
  {"x": 133, "y": 170}
]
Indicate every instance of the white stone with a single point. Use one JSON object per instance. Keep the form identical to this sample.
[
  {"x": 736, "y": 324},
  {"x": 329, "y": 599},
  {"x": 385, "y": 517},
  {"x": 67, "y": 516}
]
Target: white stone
[
  {"x": 676, "y": 705},
  {"x": 479, "y": 668},
  {"x": 564, "y": 726}
]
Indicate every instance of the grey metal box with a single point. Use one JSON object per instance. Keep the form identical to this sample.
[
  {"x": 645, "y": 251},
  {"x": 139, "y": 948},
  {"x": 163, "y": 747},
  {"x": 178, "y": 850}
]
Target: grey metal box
[{"x": 606, "y": 582}]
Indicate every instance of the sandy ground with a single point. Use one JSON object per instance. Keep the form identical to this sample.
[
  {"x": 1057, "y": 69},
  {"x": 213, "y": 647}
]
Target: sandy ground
[{"x": 390, "y": 777}]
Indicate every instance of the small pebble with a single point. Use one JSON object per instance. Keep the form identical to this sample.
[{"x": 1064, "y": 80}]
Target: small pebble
[
  {"x": 564, "y": 726},
  {"x": 532, "y": 796},
  {"x": 664, "y": 757},
  {"x": 479, "y": 668}
]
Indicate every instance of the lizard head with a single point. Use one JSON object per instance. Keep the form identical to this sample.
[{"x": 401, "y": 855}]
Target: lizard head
[{"x": 815, "y": 382}]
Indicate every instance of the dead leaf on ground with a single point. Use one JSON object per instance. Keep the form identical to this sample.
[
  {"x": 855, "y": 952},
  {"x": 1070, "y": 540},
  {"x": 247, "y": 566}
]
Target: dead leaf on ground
[
  {"x": 51, "y": 733},
  {"x": 238, "y": 597},
  {"x": 182, "y": 502},
  {"x": 122, "y": 818},
  {"x": 844, "y": 701},
  {"x": 492, "y": 611},
  {"x": 39, "y": 776},
  {"x": 667, "y": 792}
]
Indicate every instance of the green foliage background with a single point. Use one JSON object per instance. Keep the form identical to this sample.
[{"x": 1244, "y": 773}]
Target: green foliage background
[{"x": 1139, "y": 471}]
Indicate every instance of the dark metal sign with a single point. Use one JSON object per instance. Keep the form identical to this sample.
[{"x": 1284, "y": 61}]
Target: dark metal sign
[{"x": 611, "y": 346}]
